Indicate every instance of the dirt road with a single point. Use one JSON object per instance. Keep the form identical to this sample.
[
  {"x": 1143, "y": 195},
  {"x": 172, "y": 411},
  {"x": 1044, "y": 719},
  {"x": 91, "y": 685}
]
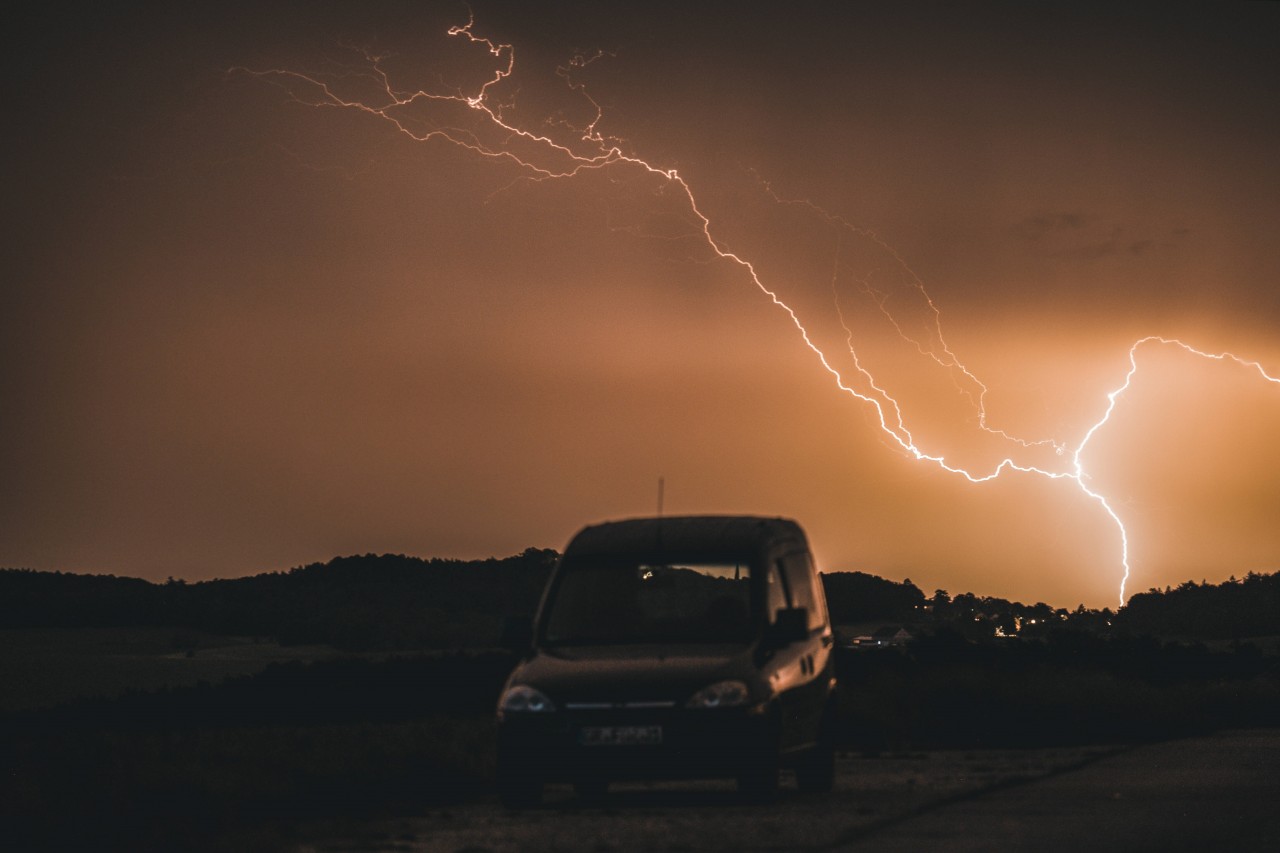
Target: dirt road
[
  {"x": 1219, "y": 793},
  {"x": 1213, "y": 793}
]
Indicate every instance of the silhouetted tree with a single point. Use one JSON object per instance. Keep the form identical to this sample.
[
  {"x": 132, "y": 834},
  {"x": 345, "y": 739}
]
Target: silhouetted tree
[{"x": 859, "y": 597}]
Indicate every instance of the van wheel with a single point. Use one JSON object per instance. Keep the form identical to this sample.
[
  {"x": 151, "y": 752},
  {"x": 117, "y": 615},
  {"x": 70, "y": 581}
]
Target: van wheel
[
  {"x": 759, "y": 785},
  {"x": 591, "y": 789},
  {"x": 519, "y": 792},
  {"x": 816, "y": 773}
]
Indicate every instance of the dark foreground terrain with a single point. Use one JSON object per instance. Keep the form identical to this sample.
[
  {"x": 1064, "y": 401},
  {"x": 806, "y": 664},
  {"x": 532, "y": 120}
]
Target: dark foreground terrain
[
  {"x": 352, "y": 703},
  {"x": 292, "y": 751},
  {"x": 1216, "y": 792},
  {"x": 1210, "y": 793}
]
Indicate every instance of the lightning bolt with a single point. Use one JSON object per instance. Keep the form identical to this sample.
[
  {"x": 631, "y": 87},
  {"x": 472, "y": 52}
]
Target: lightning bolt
[
  {"x": 1078, "y": 473},
  {"x": 476, "y": 120}
]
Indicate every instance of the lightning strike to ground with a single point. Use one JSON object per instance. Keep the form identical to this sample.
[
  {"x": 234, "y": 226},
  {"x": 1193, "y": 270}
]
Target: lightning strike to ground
[{"x": 538, "y": 157}]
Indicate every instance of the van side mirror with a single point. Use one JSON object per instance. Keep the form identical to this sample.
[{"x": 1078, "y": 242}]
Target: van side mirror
[
  {"x": 790, "y": 626},
  {"x": 517, "y": 633}
]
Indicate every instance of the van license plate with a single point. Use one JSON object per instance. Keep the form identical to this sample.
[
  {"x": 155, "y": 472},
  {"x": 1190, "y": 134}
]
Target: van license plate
[{"x": 620, "y": 735}]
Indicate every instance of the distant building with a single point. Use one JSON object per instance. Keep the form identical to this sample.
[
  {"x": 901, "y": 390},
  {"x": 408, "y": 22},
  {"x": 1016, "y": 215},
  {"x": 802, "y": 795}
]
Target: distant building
[
  {"x": 891, "y": 635},
  {"x": 872, "y": 635}
]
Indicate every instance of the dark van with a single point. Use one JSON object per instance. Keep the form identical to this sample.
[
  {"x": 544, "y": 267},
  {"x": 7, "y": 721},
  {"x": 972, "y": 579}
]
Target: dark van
[{"x": 693, "y": 647}]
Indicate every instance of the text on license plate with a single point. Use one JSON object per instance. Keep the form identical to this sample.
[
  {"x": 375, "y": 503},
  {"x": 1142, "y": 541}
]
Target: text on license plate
[{"x": 619, "y": 735}]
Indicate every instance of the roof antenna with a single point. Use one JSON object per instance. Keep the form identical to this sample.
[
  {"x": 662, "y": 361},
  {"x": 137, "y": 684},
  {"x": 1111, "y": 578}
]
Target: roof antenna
[{"x": 657, "y": 528}]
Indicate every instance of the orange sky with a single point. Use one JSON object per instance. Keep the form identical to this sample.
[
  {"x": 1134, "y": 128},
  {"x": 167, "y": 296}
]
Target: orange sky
[{"x": 238, "y": 333}]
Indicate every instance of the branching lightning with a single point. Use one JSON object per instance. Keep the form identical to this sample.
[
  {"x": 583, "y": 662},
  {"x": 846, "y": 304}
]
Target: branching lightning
[{"x": 476, "y": 120}]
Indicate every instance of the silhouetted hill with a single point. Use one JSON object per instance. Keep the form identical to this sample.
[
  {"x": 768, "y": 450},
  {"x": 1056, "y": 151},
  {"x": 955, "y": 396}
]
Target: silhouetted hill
[
  {"x": 31, "y": 599},
  {"x": 363, "y": 603}
]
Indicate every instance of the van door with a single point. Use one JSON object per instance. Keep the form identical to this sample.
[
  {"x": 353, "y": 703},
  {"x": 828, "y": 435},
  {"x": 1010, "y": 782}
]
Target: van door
[{"x": 804, "y": 705}]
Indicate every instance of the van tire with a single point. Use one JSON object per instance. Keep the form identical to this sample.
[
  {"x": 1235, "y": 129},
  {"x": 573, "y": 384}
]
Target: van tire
[
  {"x": 519, "y": 791},
  {"x": 816, "y": 772},
  {"x": 759, "y": 785},
  {"x": 591, "y": 789}
]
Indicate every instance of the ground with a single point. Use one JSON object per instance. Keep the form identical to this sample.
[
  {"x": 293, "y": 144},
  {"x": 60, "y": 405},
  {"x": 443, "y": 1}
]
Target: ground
[
  {"x": 708, "y": 815},
  {"x": 1210, "y": 793}
]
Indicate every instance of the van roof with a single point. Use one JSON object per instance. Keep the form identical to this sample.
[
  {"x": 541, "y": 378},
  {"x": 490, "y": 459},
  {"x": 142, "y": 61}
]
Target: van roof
[{"x": 686, "y": 536}]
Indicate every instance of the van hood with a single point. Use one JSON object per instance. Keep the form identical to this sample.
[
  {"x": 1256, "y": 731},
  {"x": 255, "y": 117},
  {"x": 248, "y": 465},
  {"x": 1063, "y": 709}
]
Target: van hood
[{"x": 621, "y": 675}]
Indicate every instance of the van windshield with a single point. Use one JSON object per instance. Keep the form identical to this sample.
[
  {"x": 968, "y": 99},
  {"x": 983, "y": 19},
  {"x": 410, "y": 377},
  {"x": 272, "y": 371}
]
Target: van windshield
[{"x": 599, "y": 602}]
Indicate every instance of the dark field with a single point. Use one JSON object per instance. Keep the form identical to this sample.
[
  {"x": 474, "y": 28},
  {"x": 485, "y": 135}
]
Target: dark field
[
  {"x": 157, "y": 739},
  {"x": 44, "y": 667}
]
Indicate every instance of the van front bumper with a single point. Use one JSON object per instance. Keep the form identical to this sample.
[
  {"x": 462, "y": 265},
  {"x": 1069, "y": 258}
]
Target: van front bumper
[{"x": 666, "y": 743}]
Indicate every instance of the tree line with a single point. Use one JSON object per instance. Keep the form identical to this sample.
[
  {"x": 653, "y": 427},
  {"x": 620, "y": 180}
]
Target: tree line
[
  {"x": 359, "y": 603},
  {"x": 393, "y": 601}
]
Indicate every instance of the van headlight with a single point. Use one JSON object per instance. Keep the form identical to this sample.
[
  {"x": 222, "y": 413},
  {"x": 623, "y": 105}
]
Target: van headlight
[
  {"x": 524, "y": 699},
  {"x": 722, "y": 694}
]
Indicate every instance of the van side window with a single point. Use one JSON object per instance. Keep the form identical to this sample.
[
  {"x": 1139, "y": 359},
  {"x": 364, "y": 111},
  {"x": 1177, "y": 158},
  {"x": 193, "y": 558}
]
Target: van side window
[
  {"x": 775, "y": 593},
  {"x": 803, "y": 584}
]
